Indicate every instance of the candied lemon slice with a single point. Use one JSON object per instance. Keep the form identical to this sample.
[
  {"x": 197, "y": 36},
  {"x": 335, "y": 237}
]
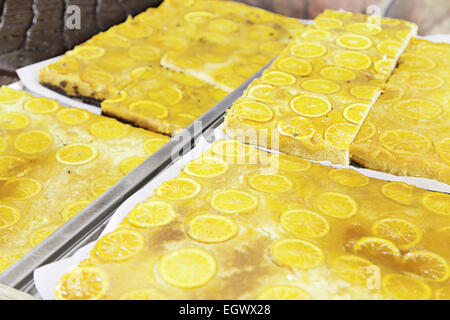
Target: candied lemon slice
[
  {"x": 8, "y": 216},
  {"x": 187, "y": 268},
  {"x": 262, "y": 32},
  {"x": 117, "y": 98},
  {"x": 108, "y": 129},
  {"x": 308, "y": 50},
  {"x": 294, "y": 65},
  {"x": 254, "y": 111},
  {"x": 365, "y": 92},
  {"x": 401, "y": 232},
  {"x": 150, "y": 109},
  {"x": 223, "y": 26},
  {"x": 443, "y": 148},
  {"x": 354, "y": 42},
  {"x": 198, "y": 17},
  {"x": 232, "y": 149},
  {"x": 272, "y": 183},
  {"x": 284, "y": 292},
  {"x": 34, "y": 141},
  {"x": 376, "y": 248},
  {"x": 353, "y": 269},
  {"x": 86, "y": 283},
  {"x": 418, "y": 109},
  {"x": 3, "y": 144},
  {"x": 170, "y": 95},
  {"x": 337, "y": 73},
  {"x": 135, "y": 31},
  {"x": 127, "y": 165},
  {"x": 327, "y": 23},
  {"x": 262, "y": 92},
  {"x": 355, "y": 113},
  {"x": 119, "y": 245},
  {"x": 113, "y": 40},
  {"x": 341, "y": 135},
  {"x": 404, "y": 141},
  {"x": 401, "y": 287},
  {"x": 206, "y": 167},
  {"x": 337, "y": 205},
  {"x": 70, "y": 211},
  {"x": 76, "y": 154},
  {"x": 41, "y": 105},
  {"x": 12, "y": 167},
  {"x": 298, "y": 127},
  {"x": 297, "y": 253},
  {"x": 100, "y": 185},
  {"x": 321, "y": 86},
  {"x": 64, "y": 66},
  {"x": 14, "y": 120},
  {"x": 21, "y": 188},
  {"x": 437, "y": 202},
  {"x": 233, "y": 201},
  {"x": 144, "y": 53},
  {"x": 278, "y": 78},
  {"x": 151, "y": 214},
  {"x": 364, "y": 28},
  {"x": 425, "y": 81},
  {"x": 8, "y": 95},
  {"x": 441, "y": 294},
  {"x": 392, "y": 93},
  {"x": 179, "y": 189},
  {"x": 72, "y": 116},
  {"x": 416, "y": 62},
  {"x": 427, "y": 265},
  {"x": 40, "y": 235},
  {"x": 348, "y": 177},
  {"x": 316, "y": 35},
  {"x": 97, "y": 77},
  {"x": 384, "y": 66},
  {"x": 353, "y": 60},
  {"x": 144, "y": 294},
  {"x": 88, "y": 52},
  {"x": 367, "y": 131},
  {"x": 304, "y": 223},
  {"x": 290, "y": 163},
  {"x": 146, "y": 73},
  {"x": 389, "y": 47},
  {"x": 210, "y": 228},
  {"x": 154, "y": 144}
]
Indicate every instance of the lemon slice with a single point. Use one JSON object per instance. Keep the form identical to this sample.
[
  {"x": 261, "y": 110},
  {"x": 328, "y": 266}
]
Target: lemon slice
[
  {"x": 40, "y": 235},
  {"x": 443, "y": 148},
  {"x": 425, "y": 81},
  {"x": 154, "y": 144},
  {"x": 113, "y": 40},
  {"x": 262, "y": 92},
  {"x": 262, "y": 32},
  {"x": 353, "y": 269},
  {"x": 353, "y": 60},
  {"x": 402, "y": 233},
  {"x": 392, "y": 93},
  {"x": 399, "y": 192},
  {"x": 253, "y": 111},
  {"x": 294, "y": 65},
  {"x": 35, "y": 141},
  {"x": 427, "y": 265},
  {"x": 117, "y": 98},
  {"x": 14, "y": 120},
  {"x": 327, "y": 23},
  {"x": 290, "y": 163},
  {"x": 198, "y": 17},
  {"x": 364, "y": 28},
  {"x": 97, "y": 77},
  {"x": 88, "y": 52},
  {"x": 284, "y": 292},
  {"x": 404, "y": 141},
  {"x": 187, "y": 268},
  {"x": 297, "y": 253},
  {"x": 316, "y": 35},
  {"x": 321, "y": 86},
  {"x": 232, "y": 149},
  {"x": 150, "y": 109},
  {"x": 441, "y": 294},
  {"x": 86, "y": 283},
  {"x": 206, "y": 167},
  {"x": 8, "y": 95},
  {"x": 179, "y": 189},
  {"x": 169, "y": 96},
  {"x": 119, "y": 245},
  {"x": 271, "y": 183},
  {"x": 418, "y": 109},
  {"x": 272, "y": 47},
  {"x": 384, "y": 66},
  {"x": 127, "y": 165},
  {"x": 233, "y": 201},
  {"x": 41, "y": 105},
  {"x": 64, "y": 66},
  {"x": 348, "y": 177},
  {"x": 366, "y": 132},
  {"x": 365, "y": 92},
  {"x": 337, "y": 73},
  {"x": 304, "y": 223},
  {"x": 171, "y": 43},
  {"x": 278, "y": 78},
  {"x": 151, "y": 214},
  {"x": 147, "y": 53},
  {"x": 108, "y": 129},
  {"x": 135, "y": 30},
  {"x": 72, "y": 116},
  {"x": 21, "y": 188},
  {"x": 146, "y": 73},
  {"x": 210, "y": 228},
  {"x": 308, "y": 50},
  {"x": 390, "y": 47},
  {"x": 144, "y": 294},
  {"x": 8, "y": 216},
  {"x": 376, "y": 248},
  {"x": 12, "y": 167},
  {"x": 3, "y": 144},
  {"x": 100, "y": 185},
  {"x": 223, "y": 26},
  {"x": 76, "y": 154},
  {"x": 437, "y": 202},
  {"x": 341, "y": 135},
  {"x": 298, "y": 127},
  {"x": 337, "y": 205},
  {"x": 70, "y": 211},
  {"x": 354, "y": 42},
  {"x": 401, "y": 287},
  {"x": 355, "y": 113},
  {"x": 415, "y": 62}
]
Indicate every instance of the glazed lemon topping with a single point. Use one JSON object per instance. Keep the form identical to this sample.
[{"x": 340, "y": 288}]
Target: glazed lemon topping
[
  {"x": 53, "y": 162},
  {"x": 330, "y": 77},
  {"x": 293, "y": 231},
  {"x": 412, "y": 132}
]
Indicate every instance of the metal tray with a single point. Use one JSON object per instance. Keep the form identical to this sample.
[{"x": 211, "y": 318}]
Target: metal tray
[{"x": 86, "y": 227}]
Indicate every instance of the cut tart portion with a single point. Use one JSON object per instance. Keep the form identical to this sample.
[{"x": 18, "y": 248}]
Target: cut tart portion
[
  {"x": 407, "y": 132},
  {"x": 317, "y": 92},
  {"x": 292, "y": 229},
  {"x": 54, "y": 162}
]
